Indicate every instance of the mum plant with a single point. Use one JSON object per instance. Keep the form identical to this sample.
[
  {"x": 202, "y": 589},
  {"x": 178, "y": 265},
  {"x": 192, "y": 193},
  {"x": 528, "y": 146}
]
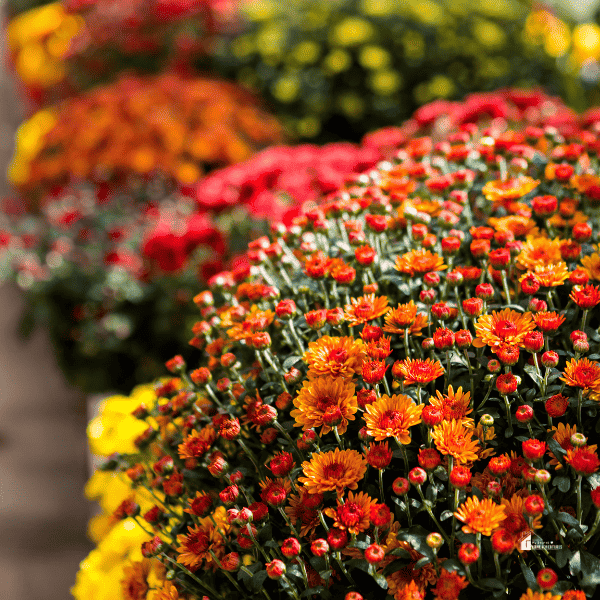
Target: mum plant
[
  {"x": 111, "y": 274},
  {"x": 398, "y": 396}
]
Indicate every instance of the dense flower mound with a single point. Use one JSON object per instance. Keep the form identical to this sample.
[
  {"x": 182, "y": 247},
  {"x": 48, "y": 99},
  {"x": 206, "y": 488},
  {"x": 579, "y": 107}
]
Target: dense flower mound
[
  {"x": 399, "y": 395},
  {"x": 110, "y": 274},
  {"x": 342, "y": 68},
  {"x": 138, "y": 126}
]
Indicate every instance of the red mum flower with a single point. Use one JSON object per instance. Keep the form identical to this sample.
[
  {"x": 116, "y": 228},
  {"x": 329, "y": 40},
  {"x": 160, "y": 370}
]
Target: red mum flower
[
  {"x": 503, "y": 541},
  {"x": 583, "y": 460},
  {"x": 533, "y": 449},
  {"x": 586, "y": 297}
]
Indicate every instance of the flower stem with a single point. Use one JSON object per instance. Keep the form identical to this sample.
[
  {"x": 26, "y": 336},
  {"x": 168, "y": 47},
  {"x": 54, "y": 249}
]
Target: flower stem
[
  {"x": 579, "y": 508},
  {"x": 190, "y": 574},
  {"x": 381, "y": 485},
  {"x": 227, "y": 574},
  {"x": 592, "y": 531}
]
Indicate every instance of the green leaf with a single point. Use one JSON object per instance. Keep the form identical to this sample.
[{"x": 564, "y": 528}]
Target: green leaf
[
  {"x": 361, "y": 545},
  {"x": 446, "y": 515},
  {"x": 290, "y": 361},
  {"x": 532, "y": 372},
  {"x": 562, "y": 483},
  {"x": 310, "y": 591},
  {"x": 491, "y": 583},
  {"x": 359, "y": 563},
  {"x": 257, "y": 580},
  {"x": 529, "y": 576},
  {"x": 590, "y": 569},
  {"x": 452, "y": 565},
  {"x": 381, "y": 580},
  {"x": 422, "y": 562},
  {"x": 568, "y": 519},
  {"x": 563, "y": 556}
]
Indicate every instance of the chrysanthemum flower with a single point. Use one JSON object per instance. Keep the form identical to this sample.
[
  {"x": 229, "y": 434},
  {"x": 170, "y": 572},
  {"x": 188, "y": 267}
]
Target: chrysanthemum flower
[
  {"x": 453, "y": 405},
  {"x": 591, "y": 265},
  {"x": 135, "y": 580},
  {"x": 454, "y": 439},
  {"x": 392, "y": 416},
  {"x": 197, "y": 443},
  {"x": 274, "y": 492},
  {"x": 167, "y": 591},
  {"x": 364, "y": 309},
  {"x": 480, "y": 516},
  {"x": 584, "y": 374},
  {"x": 195, "y": 546},
  {"x": 335, "y": 356},
  {"x": 583, "y": 460},
  {"x": 318, "y": 394},
  {"x": 254, "y": 322},
  {"x": 551, "y": 275},
  {"x": 449, "y": 585},
  {"x": 500, "y": 191},
  {"x": 417, "y": 370},
  {"x": 301, "y": 510},
  {"x": 518, "y": 225},
  {"x": 548, "y": 321},
  {"x": 419, "y": 262},
  {"x": 334, "y": 470},
  {"x": 586, "y": 297},
  {"x": 515, "y": 517},
  {"x": 352, "y": 515},
  {"x": 505, "y": 327},
  {"x": 531, "y": 595},
  {"x": 539, "y": 251},
  {"x": 403, "y": 316}
]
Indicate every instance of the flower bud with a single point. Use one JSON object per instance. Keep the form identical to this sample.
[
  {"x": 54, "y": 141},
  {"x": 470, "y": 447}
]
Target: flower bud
[
  {"x": 417, "y": 476},
  {"x": 468, "y": 554},
  {"x": 316, "y": 319},
  {"x": 463, "y": 338},
  {"x": 400, "y": 486},
  {"x": 431, "y": 279},
  {"x": 486, "y": 420},
  {"x": 506, "y": 384},
  {"x": 533, "y": 341},
  {"x": 290, "y": 547},
  {"x": 542, "y": 476},
  {"x": 293, "y": 376},
  {"x": 374, "y": 554},
  {"x": 434, "y": 540},
  {"x": 550, "y": 359},
  {"x": 427, "y": 296},
  {"x": 524, "y": 413},
  {"x": 231, "y": 562},
  {"x": 547, "y": 578},
  {"x": 484, "y": 291},
  {"x": 578, "y": 440},
  {"x": 337, "y": 538},
  {"x": 335, "y": 316},
  {"x": 534, "y": 505},
  {"x": 285, "y": 309},
  {"x": 460, "y": 476},
  {"x": 275, "y": 569}
]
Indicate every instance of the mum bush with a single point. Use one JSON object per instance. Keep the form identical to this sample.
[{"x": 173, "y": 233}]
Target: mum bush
[
  {"x": 400, "y": 394},
  {"x": 138, "y": 126},
  {"x": 341, "y": 69},
  {"x": 111, "y": 274}
]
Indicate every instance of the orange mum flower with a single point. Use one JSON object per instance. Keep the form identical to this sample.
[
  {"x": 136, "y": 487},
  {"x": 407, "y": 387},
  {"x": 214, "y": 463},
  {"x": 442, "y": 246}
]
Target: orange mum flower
[
  {"x": 548, "y": 321},
  {"x": 419, "y": 262},
  {"x": 417, "y": 370},
  {"x": 454, "y": 439},
  {"x": 583, "y": 460},
  {"x": 584, "y": 374},
  {"x": 255, "y": 321},
  {"x": 453, "y": 405},
  {"x": 195, "y": 546},
  {"x": 480, "y": 516},
  {"x": 403, "y": 316},
  {"x": 334, "y": 470},
  {"x": 167, "y": 592},
  {"x": 352, "y": 515},
  {"x": 505, "y": 327},
  {"x": 366, "y": 308},
  {"x": 591, "y": 265},
  {"x": 582, "y": 183},
  {"x": 318, "y": 397},
  {"x": 408, "y": 591},
  {"x": 197, "y": 443},
  {"x": 552, "y": 275},
  {"x": 392, "y": 416},
  {"x": 135, "y": 580},
  {"x": 514, "y": 517},
  {"x": 518, "y": 225},
  {"x": 502, "y": 191},
  {"x": 335, "y": 356},
  {"x": 302, "y": 511},
  {"x": 449, "y": 585},
  {"x": 562, "y": 434},
  {"x": 538, "y": 251}
]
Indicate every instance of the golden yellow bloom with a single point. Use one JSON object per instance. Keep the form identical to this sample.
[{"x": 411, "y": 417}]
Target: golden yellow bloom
[
  {"x": 392, "y": 416},
  {"x": 353, "y": 514},
  {"x": 135, "y": 581},
  {"x": 366, "y": 308},
  {"x": 584, "y": 374},
  {"x": 538, "y": 251},
  {"x": 454, "y": 439},
  {"x": 334, "y": 470},
  {"x": 335, "y": 356},
  {"x": 167, "y": 592},
  {"x": 551, "y": 275},
  {"x": 320, "y": 398},
  {"x": 480, "y": 516},
  {"x": 511, "y": 189},
  {"x": 195, "y": 545},
  {"x": 453, "y": 405},
  {"x": 403, "y": 316},
  {"x": 591, "y": 265},
  {"x": 419, "y": 262},
  {"x": 520, "y": 226},
  {"x": 531, "y": 595},
  {"x": 504, "y": 327}
]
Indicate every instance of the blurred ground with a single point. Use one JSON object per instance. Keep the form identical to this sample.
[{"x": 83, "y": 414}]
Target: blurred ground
[{"x": 42, "y": 441}]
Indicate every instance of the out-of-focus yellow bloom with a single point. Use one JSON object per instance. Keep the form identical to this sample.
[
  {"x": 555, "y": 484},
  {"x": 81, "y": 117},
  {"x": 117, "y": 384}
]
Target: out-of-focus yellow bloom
[
  {"x": 542, "y": 27},
  {"x": 39, "y": 39},
  {"x": 109, "y": 490},
  {"x": 100, "y": 573},
  {"x": 586, "y": 41},
  {"x": 352, "y": 31},
  {"x": 115, "y": 429}
]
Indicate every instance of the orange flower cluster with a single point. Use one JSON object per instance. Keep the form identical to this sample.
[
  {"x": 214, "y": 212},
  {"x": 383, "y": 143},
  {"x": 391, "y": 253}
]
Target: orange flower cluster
[
  {"x": 400, "y": 388},
  {"x": 168, "y": 124}
]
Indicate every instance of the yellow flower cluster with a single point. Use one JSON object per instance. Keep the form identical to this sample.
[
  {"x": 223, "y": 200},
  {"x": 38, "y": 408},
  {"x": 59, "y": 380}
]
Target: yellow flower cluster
[{"x": 39, "y": 40}]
